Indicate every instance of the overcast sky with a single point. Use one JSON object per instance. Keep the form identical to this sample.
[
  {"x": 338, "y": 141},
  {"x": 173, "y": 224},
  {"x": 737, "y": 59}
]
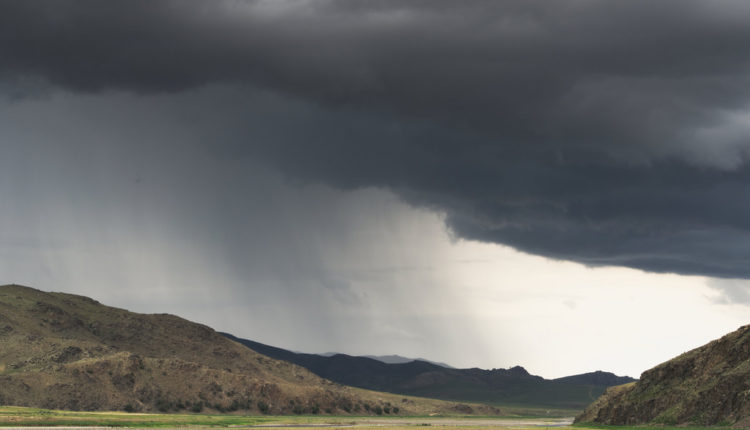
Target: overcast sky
[{"x": 562, "y": 185}]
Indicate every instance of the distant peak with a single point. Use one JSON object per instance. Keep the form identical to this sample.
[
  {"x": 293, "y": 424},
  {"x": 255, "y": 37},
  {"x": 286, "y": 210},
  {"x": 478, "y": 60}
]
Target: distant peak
[
  {"x": 518, "y": 370},
  {"x": 398, "y": 359}
]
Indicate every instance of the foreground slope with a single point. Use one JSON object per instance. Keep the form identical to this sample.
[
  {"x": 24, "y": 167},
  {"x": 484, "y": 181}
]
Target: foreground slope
[
  {"x": 706, "y": 386},
  {"x": 497, "y": 386},
  {"x": 62, "y": 351}
]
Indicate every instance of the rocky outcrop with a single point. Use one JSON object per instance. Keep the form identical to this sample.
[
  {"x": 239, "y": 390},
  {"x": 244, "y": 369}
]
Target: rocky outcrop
[{"x": 709, "y": 385}]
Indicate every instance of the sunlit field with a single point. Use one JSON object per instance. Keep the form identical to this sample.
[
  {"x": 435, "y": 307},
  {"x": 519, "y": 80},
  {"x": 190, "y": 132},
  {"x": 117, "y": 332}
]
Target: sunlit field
[
  {"x": 11, "y": 417},
  {"x": 31, "y": 417}
]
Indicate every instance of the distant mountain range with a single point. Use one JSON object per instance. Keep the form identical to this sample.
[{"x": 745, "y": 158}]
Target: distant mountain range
[
  {"x": 392, "y": 359},
  {"x": 514, "y": 386},
  {"x": 397, "y": 359},
  {"x": 707, "y": 386}
]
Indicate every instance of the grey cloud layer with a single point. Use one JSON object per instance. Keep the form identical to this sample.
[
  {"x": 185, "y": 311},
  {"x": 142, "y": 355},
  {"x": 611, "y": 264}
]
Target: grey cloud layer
[
  {"x": 621, "y": 79},
  {"x": 584, "y": 130}
]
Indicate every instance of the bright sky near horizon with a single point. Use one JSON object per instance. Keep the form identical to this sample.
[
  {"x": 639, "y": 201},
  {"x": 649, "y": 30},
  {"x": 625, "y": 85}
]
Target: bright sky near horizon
[{"x": 480, "y": 183}]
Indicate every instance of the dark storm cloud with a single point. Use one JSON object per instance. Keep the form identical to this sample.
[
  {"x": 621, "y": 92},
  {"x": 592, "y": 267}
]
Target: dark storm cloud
[
  {"x": 663, "y": 217},
  {"x": 565, "y": 73},
  {"x": 600, "y": 132}
]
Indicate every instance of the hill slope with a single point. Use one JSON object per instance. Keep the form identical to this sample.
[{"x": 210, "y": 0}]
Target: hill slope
[
  {"x": 706, "y": 386},
  {"x": 498, "y": 386},
  {"x": 61, "y": 351}
]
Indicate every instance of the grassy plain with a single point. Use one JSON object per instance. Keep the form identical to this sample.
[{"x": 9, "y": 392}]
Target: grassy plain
[{"x": 11, "y": 416}]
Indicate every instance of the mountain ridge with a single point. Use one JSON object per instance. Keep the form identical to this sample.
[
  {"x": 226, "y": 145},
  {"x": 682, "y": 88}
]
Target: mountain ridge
[
  {"x": 496, "y": 386},
  {"x": 398, "y": 359}
]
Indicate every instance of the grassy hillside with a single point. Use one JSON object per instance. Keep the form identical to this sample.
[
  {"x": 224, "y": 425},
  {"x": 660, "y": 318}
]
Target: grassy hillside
[
  {"x": 513, "y": 386},
  {"x": 62, "y": 351},
  {"x": 709, "y": 385}
]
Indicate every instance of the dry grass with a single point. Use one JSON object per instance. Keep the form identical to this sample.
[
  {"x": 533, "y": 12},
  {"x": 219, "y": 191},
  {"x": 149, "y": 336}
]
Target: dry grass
[{"x": 33, "y": 417}]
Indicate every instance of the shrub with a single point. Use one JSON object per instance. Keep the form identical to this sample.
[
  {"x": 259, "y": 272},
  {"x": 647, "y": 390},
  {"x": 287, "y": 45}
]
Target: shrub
[
  {"x": 234, "y": 406},
  {"x": 263, "y": 407},
  {"x": 345, "y": 405},
  {"x": 197, "y": 407},
  {"x": 163, "y": 405}
]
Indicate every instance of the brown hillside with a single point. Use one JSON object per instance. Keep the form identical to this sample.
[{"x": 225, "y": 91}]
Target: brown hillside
[
  {"x": 709, "y": 385},
  {"x": 64, "y": 351}
]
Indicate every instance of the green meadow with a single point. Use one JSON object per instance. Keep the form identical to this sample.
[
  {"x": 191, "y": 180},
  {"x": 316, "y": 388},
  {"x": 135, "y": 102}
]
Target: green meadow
[{"x": 11, "y": 416}]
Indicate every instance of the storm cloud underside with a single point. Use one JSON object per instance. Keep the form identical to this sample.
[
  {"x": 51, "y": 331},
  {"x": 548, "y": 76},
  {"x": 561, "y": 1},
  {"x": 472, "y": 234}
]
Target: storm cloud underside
[{"x": 607, "y": 134}]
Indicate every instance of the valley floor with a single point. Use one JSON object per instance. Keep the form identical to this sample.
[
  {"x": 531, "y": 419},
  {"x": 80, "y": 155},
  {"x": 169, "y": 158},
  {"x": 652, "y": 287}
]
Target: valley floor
[{"x": 30, "y": 418}]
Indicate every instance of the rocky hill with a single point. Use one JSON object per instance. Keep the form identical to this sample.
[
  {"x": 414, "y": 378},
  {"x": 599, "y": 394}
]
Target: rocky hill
[
  {"x": 63, "y": 351},
  {"x": 419, "y": 378},
  {"x": 709, "y": 385}
]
